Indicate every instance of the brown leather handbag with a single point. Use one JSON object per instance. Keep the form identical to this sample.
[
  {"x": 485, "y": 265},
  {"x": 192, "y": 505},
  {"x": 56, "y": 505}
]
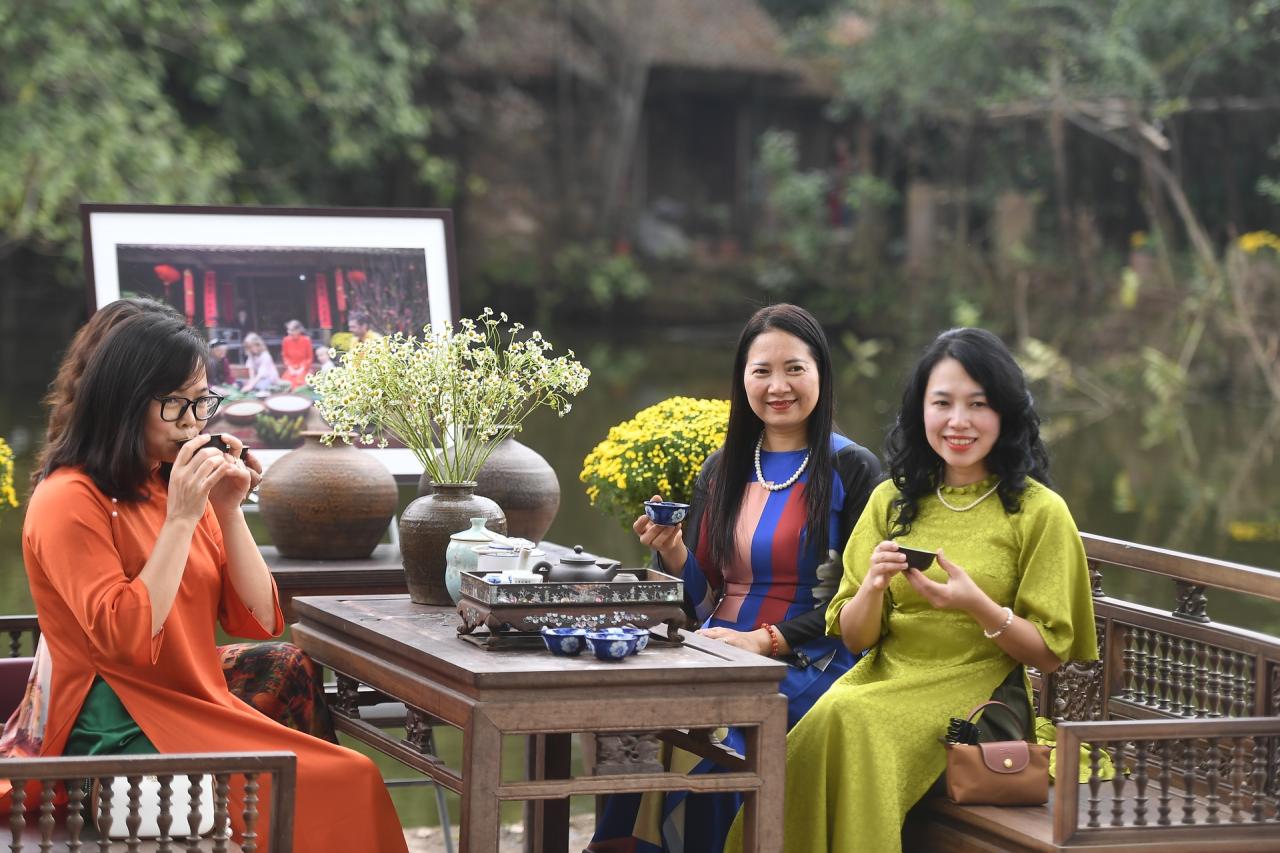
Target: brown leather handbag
[{"x": 1003, "y": 773}]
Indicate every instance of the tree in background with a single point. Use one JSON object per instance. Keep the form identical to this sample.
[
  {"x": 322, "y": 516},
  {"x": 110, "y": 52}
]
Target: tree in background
[
  {"x": 1068, "y": 100},
  {"x": 258, "y": 101}
]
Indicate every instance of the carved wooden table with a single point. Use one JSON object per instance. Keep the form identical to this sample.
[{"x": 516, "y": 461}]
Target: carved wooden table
[{"x": 412, "y": 654}]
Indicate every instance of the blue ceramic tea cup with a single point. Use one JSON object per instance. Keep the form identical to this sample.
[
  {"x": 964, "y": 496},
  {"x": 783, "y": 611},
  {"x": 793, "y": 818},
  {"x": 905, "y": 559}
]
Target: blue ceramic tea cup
[
  {"x": 565, "y": 642},
  {"x": 641, "y": 635},
  {"x": 612, "y": 645},
  {"x": 666, "y": 512}
]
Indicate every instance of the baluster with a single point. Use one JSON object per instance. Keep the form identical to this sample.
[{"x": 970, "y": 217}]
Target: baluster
[
  {"x": 1176, "y": 681},
  {"x": 1200, "y": 675},
  {"x": 1211, "y": 778},
  {"x": 1139, "y": 640},
  {"x": 1153, "y": 669},
  {"x": 1166, "y": 781},
  {"x": 194, "y": 788},
  {"x": 46, "y": 820},
  {"x": 134, "y": 818},
  {"x": 1239, "y": 779},
  {"x": 1247, "y": 684},
  {"x": 75, "y": 814},
  {"x": 1259, "y": 775},
  {"x": 104, "y": 813},
  {"x": 1188, "y": 782},
  {"x": 1095, "y": 578},
  {"x": 250, "y": 842},
  {"x": 1095, "y": 783},
  {"x": 17, "y": 822},
  {"x": 1165, "y": 687},
  {"x": 15, "y": 644},
  {"x": 1127, "y": 654},
  {"x": 165, "y": 820},
  {"x": 220, "y": 828},
  {"x": 1117, "y": 786},
  {"x": 1213, "y": 698},
  {"x": 1228, "y": 689},
  {"x": 1140, "y": 774},
  {"x": 193, "y": 815},
  {"x": 1190, "y": 678}
]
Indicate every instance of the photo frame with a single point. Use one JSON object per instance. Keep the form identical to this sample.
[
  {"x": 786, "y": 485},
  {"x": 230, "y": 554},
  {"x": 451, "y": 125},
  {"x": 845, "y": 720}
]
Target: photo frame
[{"x": 236, "y": 271}]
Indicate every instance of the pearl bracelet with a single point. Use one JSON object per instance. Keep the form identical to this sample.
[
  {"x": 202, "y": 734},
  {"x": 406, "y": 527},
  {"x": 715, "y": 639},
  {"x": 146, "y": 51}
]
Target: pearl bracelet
[{"x": 1008, "y": 620}]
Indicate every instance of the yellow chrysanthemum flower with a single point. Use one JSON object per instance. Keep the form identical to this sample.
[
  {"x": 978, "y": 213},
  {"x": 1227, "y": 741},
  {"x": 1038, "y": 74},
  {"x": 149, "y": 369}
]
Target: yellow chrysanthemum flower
[
  {"x": 1255, "y": 241},
  {"x": 658, "y": 451},
  {"x": 8, "y": 496}
]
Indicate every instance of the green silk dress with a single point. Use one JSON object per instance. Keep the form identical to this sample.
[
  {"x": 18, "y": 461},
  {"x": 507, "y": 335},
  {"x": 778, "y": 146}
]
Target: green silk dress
[{"x": 869, "y": 749}]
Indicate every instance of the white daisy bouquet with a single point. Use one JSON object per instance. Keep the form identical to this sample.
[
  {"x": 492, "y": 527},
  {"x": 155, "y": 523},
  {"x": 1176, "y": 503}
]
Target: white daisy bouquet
[{"x": 450, "y": 396}]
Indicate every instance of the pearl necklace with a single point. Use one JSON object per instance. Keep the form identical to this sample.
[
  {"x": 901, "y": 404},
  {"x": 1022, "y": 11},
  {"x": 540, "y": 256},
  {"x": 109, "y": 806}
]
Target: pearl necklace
[
  {"x": 777, "y": 487},
  {"x": 989, "y": 493}
]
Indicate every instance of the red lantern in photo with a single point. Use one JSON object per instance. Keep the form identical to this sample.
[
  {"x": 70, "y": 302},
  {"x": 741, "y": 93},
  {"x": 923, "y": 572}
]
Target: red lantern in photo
[
  {"x": 167, "y": 275},
  {"x": 357, "y": 277}
]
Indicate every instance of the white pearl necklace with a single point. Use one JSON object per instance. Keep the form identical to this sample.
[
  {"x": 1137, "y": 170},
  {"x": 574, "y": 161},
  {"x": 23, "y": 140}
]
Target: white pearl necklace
[
  {"x": 989, "y": 493},
  {"x": 777, "y": 487}
]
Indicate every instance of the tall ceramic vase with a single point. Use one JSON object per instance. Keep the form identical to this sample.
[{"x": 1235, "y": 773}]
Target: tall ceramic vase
[
  {"x": 425, "y": 528},
  {"x": 326, "y": 503},
  {"x": 524, "y": 484}
]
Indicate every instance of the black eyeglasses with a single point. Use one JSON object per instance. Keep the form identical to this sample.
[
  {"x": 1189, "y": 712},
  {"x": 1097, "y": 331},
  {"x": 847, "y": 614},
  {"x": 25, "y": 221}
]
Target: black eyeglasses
[{"x": 173, "y": 408}]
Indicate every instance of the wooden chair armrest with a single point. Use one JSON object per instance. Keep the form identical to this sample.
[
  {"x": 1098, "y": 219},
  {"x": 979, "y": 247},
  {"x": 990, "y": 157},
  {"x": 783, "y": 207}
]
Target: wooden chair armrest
[
  {"x": 1180, "y": 777},
  {"x": 28, "y": 812}
]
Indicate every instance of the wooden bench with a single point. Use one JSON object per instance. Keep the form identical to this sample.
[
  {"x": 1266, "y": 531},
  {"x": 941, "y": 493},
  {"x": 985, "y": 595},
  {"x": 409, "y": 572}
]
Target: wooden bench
[
  {"x": 1187, "y": 709},
  {"x": 251, "y": 790}
]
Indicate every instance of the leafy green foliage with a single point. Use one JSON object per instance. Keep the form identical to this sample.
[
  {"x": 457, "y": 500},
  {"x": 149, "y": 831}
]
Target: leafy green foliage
[
  {"x": 1154, "y": 52},
  {"x": 204, "y": 101},
  {"x": 607, "y": 277}
]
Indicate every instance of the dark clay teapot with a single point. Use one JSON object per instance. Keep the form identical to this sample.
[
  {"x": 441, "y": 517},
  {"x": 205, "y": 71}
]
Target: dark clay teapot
[{"x": 577, "y": 568}]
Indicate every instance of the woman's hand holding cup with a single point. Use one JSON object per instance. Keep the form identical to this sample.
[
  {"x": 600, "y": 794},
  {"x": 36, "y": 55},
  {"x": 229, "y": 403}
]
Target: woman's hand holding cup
[
  {"x": 886, "y": 562},
  {"x": 233, "y": 489},
  {"x": 667, "y": 540},
  {"x": 197, "y": 469}
]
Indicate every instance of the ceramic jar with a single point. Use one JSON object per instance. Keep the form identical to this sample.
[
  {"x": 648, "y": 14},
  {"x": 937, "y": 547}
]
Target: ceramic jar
[
  {"x": 524, "y": 484},
  {"x": 326, "y": 503},
  {"x": 461, "y": 555},
  {"x": 426, "y": 526}
]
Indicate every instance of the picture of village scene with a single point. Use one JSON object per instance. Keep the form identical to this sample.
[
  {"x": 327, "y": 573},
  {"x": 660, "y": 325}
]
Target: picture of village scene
[{"x": 274, "y": 315}]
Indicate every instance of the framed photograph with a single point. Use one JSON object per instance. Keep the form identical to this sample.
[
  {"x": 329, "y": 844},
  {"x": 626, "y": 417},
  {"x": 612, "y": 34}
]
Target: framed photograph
[{"x": 245, "y": 275}]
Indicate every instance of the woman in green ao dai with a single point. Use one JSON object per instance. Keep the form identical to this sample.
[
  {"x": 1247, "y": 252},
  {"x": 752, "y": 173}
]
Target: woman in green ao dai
[{"x": 1009, "y": 588}]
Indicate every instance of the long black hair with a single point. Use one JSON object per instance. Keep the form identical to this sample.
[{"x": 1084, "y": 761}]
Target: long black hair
[
  {"x": 142, "y": 357},
  {"x": 1018, "y": 452},
  {"x": 733, "y": 469}
]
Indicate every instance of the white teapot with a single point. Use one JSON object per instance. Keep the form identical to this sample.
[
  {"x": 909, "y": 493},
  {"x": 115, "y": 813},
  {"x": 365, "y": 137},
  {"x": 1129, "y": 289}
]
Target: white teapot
[{"x": 507, "y": 555}]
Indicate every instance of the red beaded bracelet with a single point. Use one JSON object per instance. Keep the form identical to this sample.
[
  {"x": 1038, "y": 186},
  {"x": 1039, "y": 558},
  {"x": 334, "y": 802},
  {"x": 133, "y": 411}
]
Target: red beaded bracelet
[{"x": 773, "y": 639}]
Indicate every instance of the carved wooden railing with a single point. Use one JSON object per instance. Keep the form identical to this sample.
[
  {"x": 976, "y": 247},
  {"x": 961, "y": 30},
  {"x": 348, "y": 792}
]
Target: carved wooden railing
[
  {"x": 1187, "y": 708},
  {"x": 260, "y": 810},
  {"x": 1204, "y": 781},
  {"x": 24, "y": 633}
]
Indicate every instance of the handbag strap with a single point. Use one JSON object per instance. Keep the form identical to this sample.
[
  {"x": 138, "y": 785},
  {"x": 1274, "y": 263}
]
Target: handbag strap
[{"x": 1012, "y": 713}]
